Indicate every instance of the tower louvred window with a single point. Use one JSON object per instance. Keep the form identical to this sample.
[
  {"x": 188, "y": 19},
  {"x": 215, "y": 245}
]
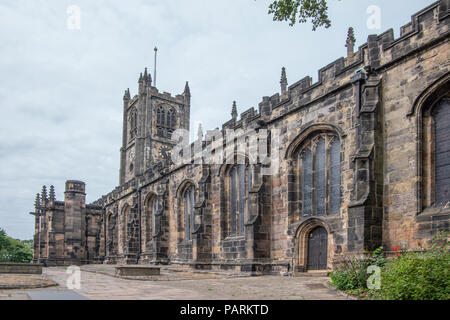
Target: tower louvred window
[
  {"x": 133, "y": 123},
  {"x": 160, "y": 118},
  {"x": 165, "y": 122},
  {"x": 170, "y": 119}
]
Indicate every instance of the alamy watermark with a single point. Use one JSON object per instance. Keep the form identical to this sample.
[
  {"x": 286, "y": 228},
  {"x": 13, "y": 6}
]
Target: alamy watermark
[
  {"x": 235, "y": 147},
  {"x": 73, "y": 17},
  {"x": 73, "y": 281},
  {"x": 374, "y": 19},
  {"x": 374, "y": 281}
]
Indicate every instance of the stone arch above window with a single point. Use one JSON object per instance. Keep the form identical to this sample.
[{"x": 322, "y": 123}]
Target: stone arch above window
[
  {"x": 309, "y": 130},
  {"x": 315, "y": 176}
]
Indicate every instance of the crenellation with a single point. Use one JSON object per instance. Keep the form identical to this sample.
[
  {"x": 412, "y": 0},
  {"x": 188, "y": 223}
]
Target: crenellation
[
  {"x": 407, "y": 28},
  {"x": 274, "y": 100},
  {"x": 248, "y": 115}
]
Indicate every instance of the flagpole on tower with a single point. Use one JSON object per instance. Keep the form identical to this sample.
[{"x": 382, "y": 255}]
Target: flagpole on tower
[{"x": 154, "y": 68}]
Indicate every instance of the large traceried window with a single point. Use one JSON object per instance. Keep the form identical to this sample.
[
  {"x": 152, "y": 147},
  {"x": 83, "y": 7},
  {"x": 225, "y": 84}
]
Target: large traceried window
[
  {"x": 189, "y": 202},
  {"x": 320, "y": 175},
  {"x": 239, "y": 187},
  {"x": 151, "y": 210},
  {"x": 441, "y": 115},
  {"x": 436, "y": 154}
]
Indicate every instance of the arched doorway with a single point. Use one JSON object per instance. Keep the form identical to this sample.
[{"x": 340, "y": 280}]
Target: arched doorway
[{"x": 317, "y": 249}]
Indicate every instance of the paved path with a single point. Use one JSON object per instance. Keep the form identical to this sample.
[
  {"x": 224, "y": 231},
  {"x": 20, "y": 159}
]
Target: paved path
[
  {"x": 20, "y": 281},
  {"x": 102, "y": 286}
]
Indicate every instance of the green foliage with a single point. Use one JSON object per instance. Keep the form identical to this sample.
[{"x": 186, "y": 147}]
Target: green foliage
[
  {"x": 301, "y": 11},
  {"x": 12, "y": 250},
  {"x": 378, "y": 258},
  {"x": 352, "y": 274},
  {"x": 417, "y": 275},
  {"x": 408, "y": 276}
]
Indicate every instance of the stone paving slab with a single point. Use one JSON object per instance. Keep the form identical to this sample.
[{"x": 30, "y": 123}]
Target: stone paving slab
[
  {"x": 24, "y": 281},
  {"x": 97, "y": 284},
  {"x": 223, "y": 287},
  {"x": 13, "y": 295},
  {"x": 55, "y": 295},
  {"x": 167, "y": 273}
]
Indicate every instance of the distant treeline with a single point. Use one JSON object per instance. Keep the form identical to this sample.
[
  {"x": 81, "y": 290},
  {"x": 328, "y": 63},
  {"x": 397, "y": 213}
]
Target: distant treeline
[{"x": 13, "y": 250}]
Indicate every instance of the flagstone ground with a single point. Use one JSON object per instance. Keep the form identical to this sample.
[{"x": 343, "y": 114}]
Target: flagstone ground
[{"x": 98, "y": 282}]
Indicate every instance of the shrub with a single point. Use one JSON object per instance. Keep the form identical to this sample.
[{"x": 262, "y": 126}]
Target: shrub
[
  {"x": 352, "y": 274},
  {"x": 417, "y": 275}
]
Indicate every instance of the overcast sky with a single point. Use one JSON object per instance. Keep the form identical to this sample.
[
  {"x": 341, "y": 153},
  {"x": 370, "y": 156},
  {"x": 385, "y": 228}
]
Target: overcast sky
[{"x": 61, "y": 89}]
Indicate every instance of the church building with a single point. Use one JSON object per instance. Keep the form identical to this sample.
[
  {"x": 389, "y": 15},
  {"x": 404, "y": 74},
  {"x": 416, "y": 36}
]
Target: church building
[{"x": 357, "y": 160}]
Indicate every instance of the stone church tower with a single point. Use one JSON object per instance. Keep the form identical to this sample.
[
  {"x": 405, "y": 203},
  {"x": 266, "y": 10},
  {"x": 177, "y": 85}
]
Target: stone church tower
[{"x": 149, "y": 119}]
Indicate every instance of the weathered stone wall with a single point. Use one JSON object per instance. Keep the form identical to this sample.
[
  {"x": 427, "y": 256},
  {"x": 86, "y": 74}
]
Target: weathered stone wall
[
  {"x": 406, "y": 222},
  {"x": 20, "y": 268}
]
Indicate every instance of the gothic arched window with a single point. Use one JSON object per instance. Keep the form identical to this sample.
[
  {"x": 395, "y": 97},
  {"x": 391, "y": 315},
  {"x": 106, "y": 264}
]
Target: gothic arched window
[
  {"x": 436, "y": 154},
  {"x": 239, "y": 177},
  {"x": 441, "y": 115},
  {"x": 320, "y": 175},
  {"x": 189, "y": 202},
  {"x": 151, "y": 209}
]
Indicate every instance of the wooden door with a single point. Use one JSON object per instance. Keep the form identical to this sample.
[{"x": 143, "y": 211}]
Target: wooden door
[{"x": 317, "y": 249}]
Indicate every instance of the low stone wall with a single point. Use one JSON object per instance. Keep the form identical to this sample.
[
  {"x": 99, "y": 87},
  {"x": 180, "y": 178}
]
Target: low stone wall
[
  {"x": 137, "y": 271},
  {"x": 20, "y": 268}
]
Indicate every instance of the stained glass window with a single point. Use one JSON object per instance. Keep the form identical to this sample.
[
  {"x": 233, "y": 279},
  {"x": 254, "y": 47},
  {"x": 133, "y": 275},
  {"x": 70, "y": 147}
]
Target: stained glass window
[
  {"x": 335, "y": 177},
  {"x": 307, "y": 183},
  {"x": 189, "y": 198},
  {"x": 320, "y": 177},
  {"x": 241, "y": 197},
  {"x": 441, "y": 115},
  {"x": 233, "y": 199}
]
